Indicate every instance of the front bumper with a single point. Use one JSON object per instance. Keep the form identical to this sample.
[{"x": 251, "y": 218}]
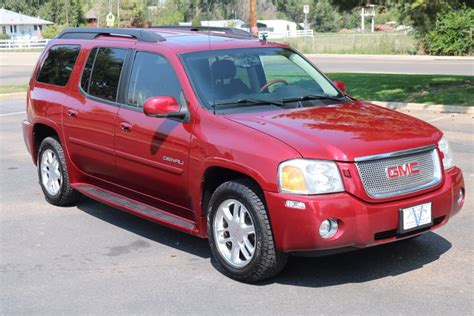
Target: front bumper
[{"x": 361, "y": 224}]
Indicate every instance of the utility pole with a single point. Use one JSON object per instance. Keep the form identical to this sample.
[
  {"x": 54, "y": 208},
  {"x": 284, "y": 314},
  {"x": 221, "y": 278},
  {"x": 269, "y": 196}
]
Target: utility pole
[
  {"x": 253, "y": 17},
  {"x": 118, "y": 13},
  {"x": 66, "y": 8}
]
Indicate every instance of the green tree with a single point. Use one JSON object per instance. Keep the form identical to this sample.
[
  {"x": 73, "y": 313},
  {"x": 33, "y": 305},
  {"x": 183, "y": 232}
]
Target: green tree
[
  {"x": 168, "y": 14},
  {"x": 53, "y": 10},
  {"x": 76, "y": 17},
  {"x": 292, "y": 9},
  {"x": 197, "y": 19},
  {"x": 452, "y": 34},
  {"x": 28, "y": 7},
  {"x": 325, "y": 18},
  {"x": 132, "y": 13},
  {"x": 52, "y": 30}
]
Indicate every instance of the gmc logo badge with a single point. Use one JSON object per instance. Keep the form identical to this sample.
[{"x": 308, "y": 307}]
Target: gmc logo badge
[{"x": 407, "y": 169}]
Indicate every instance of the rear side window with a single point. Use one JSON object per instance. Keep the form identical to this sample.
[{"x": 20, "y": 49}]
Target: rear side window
[
  {"x": 102, "y": 71},
  {"x": 86, "y": 74},
  {"x": 58, "y": 65}
]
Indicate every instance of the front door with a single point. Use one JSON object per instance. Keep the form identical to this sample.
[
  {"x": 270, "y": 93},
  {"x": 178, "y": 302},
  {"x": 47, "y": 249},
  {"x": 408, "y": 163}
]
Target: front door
[
  {"x": 90, "y": 115},
  {"x": 152, "y": 153}
]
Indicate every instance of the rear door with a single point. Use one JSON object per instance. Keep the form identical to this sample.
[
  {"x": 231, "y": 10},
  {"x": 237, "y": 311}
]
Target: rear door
[
  {"x": 90, "y": 113},
  {"x": 152, "y": 153}
]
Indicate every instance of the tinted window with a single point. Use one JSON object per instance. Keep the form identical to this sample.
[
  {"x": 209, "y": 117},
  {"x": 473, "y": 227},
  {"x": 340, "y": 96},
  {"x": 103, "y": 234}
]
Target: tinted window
[
  {"x": 152, "y": 75},
  {"x": 224, "y": 77},
  {"x": 58, "y": 65},
  {"x": 105, "y": 76},
  {"x": 86, "y": 74}
]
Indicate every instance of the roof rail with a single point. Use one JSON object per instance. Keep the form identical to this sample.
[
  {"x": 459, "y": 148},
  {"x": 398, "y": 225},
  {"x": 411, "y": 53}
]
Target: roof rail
[
  {"x": 90, "y": 33},
  {"x": 226, "y": 30}
]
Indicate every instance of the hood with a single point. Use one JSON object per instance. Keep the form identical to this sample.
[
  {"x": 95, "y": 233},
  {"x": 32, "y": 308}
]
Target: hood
[{"x": 342, "y": 132}]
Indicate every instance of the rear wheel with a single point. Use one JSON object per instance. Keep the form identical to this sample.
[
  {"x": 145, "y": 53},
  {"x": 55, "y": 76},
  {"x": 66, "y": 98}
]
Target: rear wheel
[
  {"x": 52, "y": 173},
  {"x": 240, "y": 234}
]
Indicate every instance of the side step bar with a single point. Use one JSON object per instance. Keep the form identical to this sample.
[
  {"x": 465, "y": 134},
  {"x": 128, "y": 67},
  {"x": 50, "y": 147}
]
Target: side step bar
[{"x": 137, "y": 208}]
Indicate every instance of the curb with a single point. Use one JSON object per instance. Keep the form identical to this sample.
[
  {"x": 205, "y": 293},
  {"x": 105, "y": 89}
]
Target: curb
[{"x": 439, "y": 108}]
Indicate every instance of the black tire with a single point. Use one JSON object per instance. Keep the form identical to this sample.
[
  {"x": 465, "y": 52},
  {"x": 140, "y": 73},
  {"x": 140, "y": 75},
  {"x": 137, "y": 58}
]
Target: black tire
[
  {"x": 66, "y": 195},
  {"x": 267, "y": 261}
]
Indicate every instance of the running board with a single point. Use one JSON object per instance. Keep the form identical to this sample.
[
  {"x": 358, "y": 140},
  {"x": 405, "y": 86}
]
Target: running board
[{"x": 137, "y": 208}]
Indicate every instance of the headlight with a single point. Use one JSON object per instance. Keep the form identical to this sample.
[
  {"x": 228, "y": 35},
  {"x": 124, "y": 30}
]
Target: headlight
[
  {"x": 448, "y": 154},
  {"x": 307, "y": 176}
]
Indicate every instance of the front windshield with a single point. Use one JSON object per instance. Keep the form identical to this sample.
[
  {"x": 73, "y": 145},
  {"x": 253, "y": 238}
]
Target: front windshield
[{"x": 234, "y": 77}]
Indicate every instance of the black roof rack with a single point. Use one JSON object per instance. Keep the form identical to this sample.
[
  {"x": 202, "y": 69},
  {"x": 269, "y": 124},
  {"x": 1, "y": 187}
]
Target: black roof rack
[
  {"x": 90, "y": 33},
  {"x": 226, "y": 30}
]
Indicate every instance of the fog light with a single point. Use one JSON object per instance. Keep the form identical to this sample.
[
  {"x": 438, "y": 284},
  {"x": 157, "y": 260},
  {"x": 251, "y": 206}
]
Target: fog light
[
  {"x": 460, "y": 198},
  {"x": 328, "y": 228}
]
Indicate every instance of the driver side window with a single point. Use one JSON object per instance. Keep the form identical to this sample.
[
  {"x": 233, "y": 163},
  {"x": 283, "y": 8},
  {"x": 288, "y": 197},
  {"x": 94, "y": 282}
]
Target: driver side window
[{"x": 152, "y": 75}]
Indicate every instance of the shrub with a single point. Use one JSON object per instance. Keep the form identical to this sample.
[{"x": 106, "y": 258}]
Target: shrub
[
  {"x": 4, "y": 37},
  {"x": 52, "y": 30},
  {"x": 452, "y": 34}
]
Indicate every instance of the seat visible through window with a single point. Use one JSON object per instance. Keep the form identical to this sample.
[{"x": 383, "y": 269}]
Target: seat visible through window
[{"x": 225, "y": 83}]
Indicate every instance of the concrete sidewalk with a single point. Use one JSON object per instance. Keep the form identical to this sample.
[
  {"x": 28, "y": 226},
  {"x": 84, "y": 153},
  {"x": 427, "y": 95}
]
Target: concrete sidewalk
[{"x": 436, "y": 108}]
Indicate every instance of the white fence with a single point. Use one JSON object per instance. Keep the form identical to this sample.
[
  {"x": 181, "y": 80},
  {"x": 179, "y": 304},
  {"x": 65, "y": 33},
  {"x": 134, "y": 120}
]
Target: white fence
[{"x": 23, "y": 44}]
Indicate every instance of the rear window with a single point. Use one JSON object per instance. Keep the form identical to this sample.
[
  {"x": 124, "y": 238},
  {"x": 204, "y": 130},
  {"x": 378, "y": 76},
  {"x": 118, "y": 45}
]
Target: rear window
[
  {"x": 57, "y": 67},
  {"x": 101, "y": 74}
]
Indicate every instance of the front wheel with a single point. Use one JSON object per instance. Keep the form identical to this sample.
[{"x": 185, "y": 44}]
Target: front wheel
[{"x": 240, "y": 234}]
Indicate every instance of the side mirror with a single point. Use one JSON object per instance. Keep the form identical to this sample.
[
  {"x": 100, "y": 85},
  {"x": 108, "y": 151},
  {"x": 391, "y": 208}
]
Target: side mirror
[
  {"x": 162, "y": 106},
  {"x": 341, "y": 86}
]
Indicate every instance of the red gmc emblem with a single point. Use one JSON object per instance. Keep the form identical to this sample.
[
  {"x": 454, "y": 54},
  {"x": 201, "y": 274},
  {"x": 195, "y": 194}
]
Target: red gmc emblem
[{"x": 407, "y": 169}]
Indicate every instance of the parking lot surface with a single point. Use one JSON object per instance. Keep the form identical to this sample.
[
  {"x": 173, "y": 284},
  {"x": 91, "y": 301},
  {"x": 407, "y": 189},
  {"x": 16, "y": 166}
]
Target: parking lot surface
[{"x": 93, "y": 259}]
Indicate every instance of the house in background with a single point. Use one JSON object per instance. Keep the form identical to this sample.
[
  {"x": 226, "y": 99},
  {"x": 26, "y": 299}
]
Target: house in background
[
  {"x": 91, "y": 17},
  {"x": 20, "y": 26},
  {"x": 224, "y": 23},
  {"x": 279, "y": 26},
  {"x": 276, "y": 28}
]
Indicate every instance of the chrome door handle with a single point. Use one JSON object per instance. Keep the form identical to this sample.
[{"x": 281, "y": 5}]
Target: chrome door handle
[
  {"x": 71, "y": 113},
  {"x": 125, "y": 126}
]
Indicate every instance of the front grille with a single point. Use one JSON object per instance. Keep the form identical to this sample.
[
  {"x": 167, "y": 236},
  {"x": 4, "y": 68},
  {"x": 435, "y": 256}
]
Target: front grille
[{"x": 377, "y": 184}]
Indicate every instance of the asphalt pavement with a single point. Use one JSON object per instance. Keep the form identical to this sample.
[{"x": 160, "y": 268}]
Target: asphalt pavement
[
  {"x": 94, "y": 259},
  {"x": 16, "y": 68}
]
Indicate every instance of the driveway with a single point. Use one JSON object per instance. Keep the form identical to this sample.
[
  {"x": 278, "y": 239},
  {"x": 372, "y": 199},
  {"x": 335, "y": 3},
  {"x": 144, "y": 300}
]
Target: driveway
[{"x": 94, "y": 259}]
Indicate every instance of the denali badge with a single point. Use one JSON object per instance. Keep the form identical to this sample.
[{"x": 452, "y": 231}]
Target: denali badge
[
  {"x": 407, "y": 169},
  {"x": 173, "y": 160}
]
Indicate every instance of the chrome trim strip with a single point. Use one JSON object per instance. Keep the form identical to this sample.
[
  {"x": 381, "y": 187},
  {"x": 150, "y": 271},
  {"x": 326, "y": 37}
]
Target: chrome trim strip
[{"x": 395, "y": 153}]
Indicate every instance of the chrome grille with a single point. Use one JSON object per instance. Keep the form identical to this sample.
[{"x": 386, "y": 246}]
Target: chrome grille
[{"x": 377, "y": 184}]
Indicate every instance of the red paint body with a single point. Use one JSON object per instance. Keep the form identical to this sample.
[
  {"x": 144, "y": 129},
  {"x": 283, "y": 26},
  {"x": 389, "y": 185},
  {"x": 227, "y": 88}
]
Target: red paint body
[{"x": 161, "y": 162}]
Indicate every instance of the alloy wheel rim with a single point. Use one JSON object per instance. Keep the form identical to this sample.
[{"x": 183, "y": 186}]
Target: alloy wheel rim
[
  {"x": 234, "y": 233},
  {"x": 51, "y": 176}
]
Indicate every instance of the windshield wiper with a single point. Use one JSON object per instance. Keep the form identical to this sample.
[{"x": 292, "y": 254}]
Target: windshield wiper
[
  {"x": 311, "y": 97},
  {"x": 249, "y": 102}
]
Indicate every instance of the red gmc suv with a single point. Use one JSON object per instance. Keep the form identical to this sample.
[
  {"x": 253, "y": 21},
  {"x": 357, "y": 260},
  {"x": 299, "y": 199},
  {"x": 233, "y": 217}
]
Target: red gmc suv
[{"x": 227, "y": 137}]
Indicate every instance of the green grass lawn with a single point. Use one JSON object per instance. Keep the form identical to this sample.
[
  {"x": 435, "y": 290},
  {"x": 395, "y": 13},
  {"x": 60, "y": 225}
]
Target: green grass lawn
[
  {"x": 430, "y": 89},
  {"x": 13, "y": 88}
]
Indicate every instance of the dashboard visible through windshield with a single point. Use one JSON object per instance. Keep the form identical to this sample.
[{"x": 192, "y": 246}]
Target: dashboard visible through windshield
[{"x": 247, "y": 77}]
